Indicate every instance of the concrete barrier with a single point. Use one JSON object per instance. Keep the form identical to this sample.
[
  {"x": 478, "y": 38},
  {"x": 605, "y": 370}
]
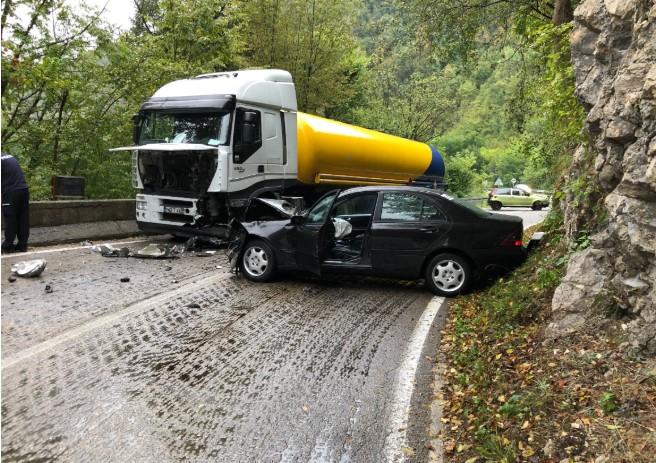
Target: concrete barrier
[
  {"x": 67, "y": 221},
  {"x": 54, "y": 213}
]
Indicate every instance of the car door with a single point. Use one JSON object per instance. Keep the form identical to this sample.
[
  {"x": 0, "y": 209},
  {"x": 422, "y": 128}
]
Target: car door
[
  {"x": 406, "y": 227},
  {"x": 308, "y": 236}
]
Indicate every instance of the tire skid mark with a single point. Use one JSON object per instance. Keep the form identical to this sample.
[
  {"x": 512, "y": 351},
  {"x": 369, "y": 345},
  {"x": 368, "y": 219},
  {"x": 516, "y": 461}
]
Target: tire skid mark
[{"x": 256, "y": 367}]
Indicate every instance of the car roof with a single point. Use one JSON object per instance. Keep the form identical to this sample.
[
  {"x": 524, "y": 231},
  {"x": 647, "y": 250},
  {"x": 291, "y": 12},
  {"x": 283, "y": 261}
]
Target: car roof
[{"x": 375, "y": 189}]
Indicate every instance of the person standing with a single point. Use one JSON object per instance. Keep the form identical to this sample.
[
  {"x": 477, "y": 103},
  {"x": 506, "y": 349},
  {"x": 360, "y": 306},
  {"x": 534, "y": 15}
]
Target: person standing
[{"x": 15, "y": 205}]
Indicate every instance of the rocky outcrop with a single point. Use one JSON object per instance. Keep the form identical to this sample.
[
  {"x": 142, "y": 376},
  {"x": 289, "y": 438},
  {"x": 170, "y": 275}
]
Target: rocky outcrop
[{"x": 612, "y": 180}]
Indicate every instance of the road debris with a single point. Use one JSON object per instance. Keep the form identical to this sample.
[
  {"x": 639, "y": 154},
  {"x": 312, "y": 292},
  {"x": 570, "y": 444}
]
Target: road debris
[
  {"x": 125, "y": 280},
  {"x": 155, "y": 251},
  {"x": 11, "y": 279},
  {"x": 193, "y": 306},
  {"x": 48, "y": 289},
  {"x": 29, "y": 268},
  {"x": 107, "y": 250}
]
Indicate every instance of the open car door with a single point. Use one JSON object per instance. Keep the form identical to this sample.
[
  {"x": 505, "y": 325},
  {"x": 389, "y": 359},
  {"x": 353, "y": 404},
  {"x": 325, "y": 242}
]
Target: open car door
[{"x": 310, "y": 237}]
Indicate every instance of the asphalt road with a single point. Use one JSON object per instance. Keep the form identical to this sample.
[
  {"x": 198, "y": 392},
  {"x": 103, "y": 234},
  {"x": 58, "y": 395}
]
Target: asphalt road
[
  {"x": 529, "y": 216},
  {"x": 189, "y": 362}
]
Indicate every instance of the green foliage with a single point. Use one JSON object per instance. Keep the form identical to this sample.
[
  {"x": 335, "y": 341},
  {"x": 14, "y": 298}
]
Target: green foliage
[
  {"x": 489, "y": 84},
  {"x": 608, "y": 403}
]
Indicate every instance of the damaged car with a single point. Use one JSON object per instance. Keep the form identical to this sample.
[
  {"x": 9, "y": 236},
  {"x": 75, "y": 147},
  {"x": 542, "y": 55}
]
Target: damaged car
[{"x": 401, "y": 232}]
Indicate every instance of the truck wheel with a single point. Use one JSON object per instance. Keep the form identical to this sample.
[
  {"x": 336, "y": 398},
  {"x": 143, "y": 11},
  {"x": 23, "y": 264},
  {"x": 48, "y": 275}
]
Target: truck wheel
[
  {"x": 495, "y": 205},
  {"x": 448, "y": 274},
  {"x": 536, "y": 206},
  {"x": 258, "y": 261}
]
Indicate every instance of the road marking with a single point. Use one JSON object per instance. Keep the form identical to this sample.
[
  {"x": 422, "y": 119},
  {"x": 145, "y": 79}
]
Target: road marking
[
  {"x": 397, "y": 438},
  {"x": 143, "y": 305},
  {"x": 72, "y": 248}
]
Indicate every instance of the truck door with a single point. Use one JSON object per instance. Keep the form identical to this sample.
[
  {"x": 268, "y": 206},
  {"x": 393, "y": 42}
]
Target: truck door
[
  {"x": 272, "y": 137},
  {"x": 309, "y": 236}
]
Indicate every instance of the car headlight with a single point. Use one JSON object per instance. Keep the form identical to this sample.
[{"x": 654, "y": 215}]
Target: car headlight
[{"x": 141, "y": 205}]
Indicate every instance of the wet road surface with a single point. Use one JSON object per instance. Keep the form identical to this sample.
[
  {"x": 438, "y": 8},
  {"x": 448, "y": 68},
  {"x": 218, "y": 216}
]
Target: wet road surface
[
  {"x": 528, "y": 215},
  {"x": 189, "y": 362}
]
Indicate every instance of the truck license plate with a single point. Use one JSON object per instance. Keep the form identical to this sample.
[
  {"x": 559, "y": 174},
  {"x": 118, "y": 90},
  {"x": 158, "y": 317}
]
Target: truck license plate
[{"x": 174, "y": 210}]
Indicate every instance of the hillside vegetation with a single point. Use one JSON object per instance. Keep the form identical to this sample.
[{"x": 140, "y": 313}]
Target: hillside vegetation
[{"x": 490, "y": 85}]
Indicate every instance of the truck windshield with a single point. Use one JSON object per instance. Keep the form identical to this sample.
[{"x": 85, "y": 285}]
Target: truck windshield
[{"x": 205, "y": 129}]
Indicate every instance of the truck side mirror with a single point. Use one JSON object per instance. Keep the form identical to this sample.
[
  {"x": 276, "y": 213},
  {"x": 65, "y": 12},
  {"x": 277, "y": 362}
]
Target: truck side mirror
[
  {"x": 136, "y": 126},
  {"x": 247, "y": 133},
  {"x": 250, "y": 117}
]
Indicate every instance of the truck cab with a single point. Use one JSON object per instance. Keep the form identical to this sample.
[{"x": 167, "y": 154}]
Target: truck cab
[{"x": 204, "y": 145}]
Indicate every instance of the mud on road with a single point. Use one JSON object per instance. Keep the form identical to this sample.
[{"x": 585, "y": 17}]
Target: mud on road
[{"x": 196, "y": 364}]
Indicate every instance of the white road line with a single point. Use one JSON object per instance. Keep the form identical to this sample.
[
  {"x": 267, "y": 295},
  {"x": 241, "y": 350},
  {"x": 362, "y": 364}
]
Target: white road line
[
  {"x": 72, "y": 248},
  {"x": 154, "y": 301},
  {"x": 398, "y": 423}
]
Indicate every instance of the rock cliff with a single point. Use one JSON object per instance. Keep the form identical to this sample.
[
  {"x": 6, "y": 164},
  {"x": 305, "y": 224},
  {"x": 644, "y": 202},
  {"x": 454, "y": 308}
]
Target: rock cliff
[{"x": 612, "y": 180}]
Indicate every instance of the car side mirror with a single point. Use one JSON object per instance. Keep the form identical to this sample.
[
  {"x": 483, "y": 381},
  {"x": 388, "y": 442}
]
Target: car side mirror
[{"x": 297, "y": 220}]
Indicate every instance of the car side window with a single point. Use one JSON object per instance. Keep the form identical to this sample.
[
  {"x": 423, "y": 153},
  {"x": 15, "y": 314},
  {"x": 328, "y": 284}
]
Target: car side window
[
  {"x": 319, "y": 211},
  {"x": 503, "y": 191},
  {"x": 405, "y": 207},
  {"x": 357, "y": 205}
]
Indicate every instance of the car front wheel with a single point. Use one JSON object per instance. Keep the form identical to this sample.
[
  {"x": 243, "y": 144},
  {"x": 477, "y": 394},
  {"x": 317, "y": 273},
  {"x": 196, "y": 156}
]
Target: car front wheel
[
  {"x": 495, "y": 205},
  {"x": 448, "y": 274},
  {"x": 258, "y": 261}
]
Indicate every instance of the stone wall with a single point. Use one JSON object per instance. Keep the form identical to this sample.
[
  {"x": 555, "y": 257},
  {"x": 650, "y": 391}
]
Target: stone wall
[{"x": 612, "y": 180}]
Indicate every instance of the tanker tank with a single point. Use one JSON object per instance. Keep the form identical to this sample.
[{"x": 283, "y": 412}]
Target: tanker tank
[{"x": 331, "y": 152}]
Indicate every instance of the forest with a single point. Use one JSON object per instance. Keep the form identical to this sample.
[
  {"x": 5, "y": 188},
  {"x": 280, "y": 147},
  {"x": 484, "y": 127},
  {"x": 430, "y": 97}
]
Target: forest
[{"x": 488, "y": 83}]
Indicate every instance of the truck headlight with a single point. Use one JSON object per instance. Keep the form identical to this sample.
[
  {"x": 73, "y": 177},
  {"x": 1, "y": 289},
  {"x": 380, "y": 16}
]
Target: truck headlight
[{"x": 141, "y": 205}]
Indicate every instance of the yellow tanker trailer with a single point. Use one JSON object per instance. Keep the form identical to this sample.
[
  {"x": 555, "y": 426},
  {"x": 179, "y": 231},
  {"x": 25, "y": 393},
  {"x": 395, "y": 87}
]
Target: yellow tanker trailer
[
  {"x": 331, "y": 152},
  {"x": 207, "y": 145}
]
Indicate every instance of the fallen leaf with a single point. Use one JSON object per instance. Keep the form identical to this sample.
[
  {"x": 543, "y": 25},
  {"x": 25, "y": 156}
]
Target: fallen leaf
[{"x": 408, "y": 451}]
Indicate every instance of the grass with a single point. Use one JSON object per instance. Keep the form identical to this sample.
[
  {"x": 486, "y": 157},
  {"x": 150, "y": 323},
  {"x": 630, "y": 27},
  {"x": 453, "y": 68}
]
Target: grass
[{"x": 511, "y": 395}]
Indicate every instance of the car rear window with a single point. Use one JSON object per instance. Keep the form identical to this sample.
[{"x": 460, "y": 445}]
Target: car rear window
[{"x": 471, "y": 207}]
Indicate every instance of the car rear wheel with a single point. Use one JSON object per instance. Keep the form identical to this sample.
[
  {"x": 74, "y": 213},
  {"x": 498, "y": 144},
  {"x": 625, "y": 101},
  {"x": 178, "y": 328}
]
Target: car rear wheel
[
  {"x": 536, "y": 206},
  {"x": 258, "y": 261},
  {"x": 495, "y": 205},
  {"x": 448, "y": 274}
]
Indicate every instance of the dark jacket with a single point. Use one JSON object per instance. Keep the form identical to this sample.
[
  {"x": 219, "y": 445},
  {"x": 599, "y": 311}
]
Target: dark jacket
[{"x": 12, "y": 175}]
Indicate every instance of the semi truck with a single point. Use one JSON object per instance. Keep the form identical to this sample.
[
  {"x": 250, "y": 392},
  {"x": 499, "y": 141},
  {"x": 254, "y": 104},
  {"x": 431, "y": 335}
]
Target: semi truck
[{"x": 207, "y": 145}]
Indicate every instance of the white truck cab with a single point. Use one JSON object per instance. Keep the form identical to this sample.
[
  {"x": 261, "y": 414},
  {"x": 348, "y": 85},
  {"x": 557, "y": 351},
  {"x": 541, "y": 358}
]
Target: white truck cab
[{"x": 205, "y": 145}]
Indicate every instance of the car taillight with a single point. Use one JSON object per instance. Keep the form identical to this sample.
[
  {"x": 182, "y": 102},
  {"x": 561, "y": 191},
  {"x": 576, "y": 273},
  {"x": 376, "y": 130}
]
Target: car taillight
[{"x": 511, "y": 240}]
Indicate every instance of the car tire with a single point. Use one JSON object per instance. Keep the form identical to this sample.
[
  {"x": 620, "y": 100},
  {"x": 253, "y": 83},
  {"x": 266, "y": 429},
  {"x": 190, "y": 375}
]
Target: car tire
[
  {"x": 448, "y": 274},
  {"x": 536, "y": 206},
  {"x": 257, "y": 261},
  {"x": 495, "y": 205}
]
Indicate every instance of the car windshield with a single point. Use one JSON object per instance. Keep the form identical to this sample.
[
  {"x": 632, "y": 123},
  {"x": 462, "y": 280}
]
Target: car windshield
[{"x": 205, "y": 129}]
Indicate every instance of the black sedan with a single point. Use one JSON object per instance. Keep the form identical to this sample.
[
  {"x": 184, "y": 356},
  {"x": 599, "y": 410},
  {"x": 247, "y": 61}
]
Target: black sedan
[{"x": 400, "y": 232}]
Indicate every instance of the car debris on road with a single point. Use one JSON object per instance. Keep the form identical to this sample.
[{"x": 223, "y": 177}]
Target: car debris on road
[
  {"x": 29, "y": 268},
  {"x": 196, "y": 244}
]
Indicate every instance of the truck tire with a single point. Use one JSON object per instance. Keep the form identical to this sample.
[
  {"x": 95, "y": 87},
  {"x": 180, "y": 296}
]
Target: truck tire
[
  {"x": 495, "y": 205},
  {"x": 448, "y": 274},
  {"x": 258, "y": 262}
]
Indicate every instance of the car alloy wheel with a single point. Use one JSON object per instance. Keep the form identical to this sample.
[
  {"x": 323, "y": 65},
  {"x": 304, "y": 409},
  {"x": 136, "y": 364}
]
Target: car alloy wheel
[
  {"x": 257, "y": 261},
  {"x": 448, "y": 274}
]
